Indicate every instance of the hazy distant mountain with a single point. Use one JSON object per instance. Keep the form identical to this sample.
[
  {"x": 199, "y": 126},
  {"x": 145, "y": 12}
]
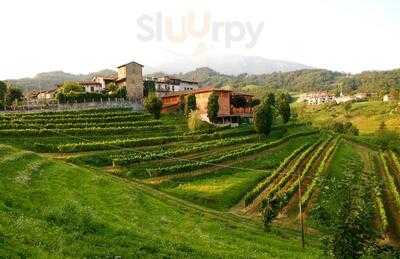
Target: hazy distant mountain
[
  {"x": 49, "y": 80},
  {"x": 229, "y": 65}
]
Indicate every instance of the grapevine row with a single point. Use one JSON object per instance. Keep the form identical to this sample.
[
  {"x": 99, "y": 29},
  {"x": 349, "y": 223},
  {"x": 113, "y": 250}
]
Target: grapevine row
[
  {"x": 317, "y": 177},
  {"x": 80, "y": 131},
  {"x": 284, "y": 180},
  {"x": 217, "y": 159},
  {"x": 79, "y": 125},
  {"x": 138, "y": 157},
  {"x": 250, "y": 196},
  {"x": 127, "y": 143},
  {"x": 390, "y": 181}
]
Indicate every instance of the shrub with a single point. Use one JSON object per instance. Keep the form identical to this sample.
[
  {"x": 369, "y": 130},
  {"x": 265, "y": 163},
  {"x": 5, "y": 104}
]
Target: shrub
[
  {"x": 213, "y": 107},
  {"x": 153, "y": 105},
  {"x": 263, "y": 118},
  {"x": 344, "y": 128},
  {"x": 283, "y": 107},
  {"x": 190, "y": 104},
  {"x": 194, "y": 121}
]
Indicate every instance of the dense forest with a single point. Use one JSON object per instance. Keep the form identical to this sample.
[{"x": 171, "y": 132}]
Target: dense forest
[
  {"x": 303, "y": 80},
  {"x": 297, "y": 81}
]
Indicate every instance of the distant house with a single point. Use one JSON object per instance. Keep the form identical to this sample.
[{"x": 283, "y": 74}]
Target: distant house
[
  {"x": 387, "y": 98},
  {"x": 227, "y": 112},
  {"x": 104, "y": 81},
  {"x": 317, "y": 98},
  {"x": 91, "y": 86},
  {"x": 343, "y": 99},
  {"x": 168, "y": 84},
  {"x": 46, "y": 95}
]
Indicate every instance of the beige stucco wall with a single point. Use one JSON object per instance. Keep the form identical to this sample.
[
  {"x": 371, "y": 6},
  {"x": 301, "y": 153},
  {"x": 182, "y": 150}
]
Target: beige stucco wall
[{"x": 134, "y": 81}]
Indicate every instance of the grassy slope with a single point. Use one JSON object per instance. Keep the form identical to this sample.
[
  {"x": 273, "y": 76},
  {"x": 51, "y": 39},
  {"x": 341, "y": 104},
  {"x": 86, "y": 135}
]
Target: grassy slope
[
  {"x": 367, "y": 116},
  {"x": 227, "y": 186},
  {"x": 50, "y": 208}
]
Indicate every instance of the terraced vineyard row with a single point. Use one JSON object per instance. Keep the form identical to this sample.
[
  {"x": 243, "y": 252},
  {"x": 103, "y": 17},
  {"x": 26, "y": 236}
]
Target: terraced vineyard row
[
  {"x": 250, "y": 149},
  {"x": 278, "y": 188}
]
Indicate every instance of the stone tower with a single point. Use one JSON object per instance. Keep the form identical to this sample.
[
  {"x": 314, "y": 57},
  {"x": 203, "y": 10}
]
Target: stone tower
[{"x": 130, "y": 76}]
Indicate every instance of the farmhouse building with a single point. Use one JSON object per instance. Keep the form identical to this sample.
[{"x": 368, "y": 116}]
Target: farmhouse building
[
  {"x": 91, "y": 86},
  {"x": 168, "y": 84},
  {"x": 130, "y": 76},
  {"x": 104, "y": 81},
  {"x": 229, "y": 111}
]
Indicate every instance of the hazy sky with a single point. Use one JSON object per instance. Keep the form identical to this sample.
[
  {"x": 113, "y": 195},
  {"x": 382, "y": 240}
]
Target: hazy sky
[{"x": 84, "y": 36}]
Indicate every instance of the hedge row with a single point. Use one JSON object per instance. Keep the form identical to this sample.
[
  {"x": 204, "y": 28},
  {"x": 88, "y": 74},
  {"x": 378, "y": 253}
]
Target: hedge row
[
  {"x": 250, "y": 196},
  {"x": 80, "y": 131},
  {"x": 79, "y": 125},
  {"x": 220, "y": 158},
  {"x": 138, "y": 157}
]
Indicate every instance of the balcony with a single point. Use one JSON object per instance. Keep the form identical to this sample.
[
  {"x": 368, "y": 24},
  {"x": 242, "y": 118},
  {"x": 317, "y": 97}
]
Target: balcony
[{"x": 242, "y": 111}]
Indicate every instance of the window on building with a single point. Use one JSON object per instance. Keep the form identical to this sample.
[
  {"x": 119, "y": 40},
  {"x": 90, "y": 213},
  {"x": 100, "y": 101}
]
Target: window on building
[{"x": 92, "y": 89}]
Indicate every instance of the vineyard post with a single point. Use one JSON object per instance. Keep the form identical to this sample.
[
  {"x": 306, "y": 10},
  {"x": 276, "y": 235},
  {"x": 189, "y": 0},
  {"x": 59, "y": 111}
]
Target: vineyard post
[{"x": 301, "y": 214}]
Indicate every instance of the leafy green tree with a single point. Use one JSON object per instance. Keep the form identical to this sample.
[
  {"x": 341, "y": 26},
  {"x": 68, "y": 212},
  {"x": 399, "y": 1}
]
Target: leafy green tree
[
  {"x": 112, "y": 87},
  {"x": 190, "y": 104},
  {"x": 283, "y": 107},
  {"x": 194, "y": 120},
  {"x": 153, "y": 105},
  {"x": 121, "y": 92},
  {"x": 149, "y": 86},
  {"x": 254, "y": 102},
  {"x": 270, "y": 99},
  {"x": 213, "y": 107},
  {"x": 3, "y": 90},
  {"x": 263, "y": 118},
  {"x": 70, "y": 87},
  {"x": 13, "y": 94},
  {"x": 182, "y": 103}
]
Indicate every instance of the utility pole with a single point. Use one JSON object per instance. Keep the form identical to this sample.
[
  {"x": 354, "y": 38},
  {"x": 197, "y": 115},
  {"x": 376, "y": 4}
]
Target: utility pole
[{"x": 301, "y": 214}]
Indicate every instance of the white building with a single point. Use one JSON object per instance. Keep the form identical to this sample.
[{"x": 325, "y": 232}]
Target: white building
[
  {"x": 317, "y": 98},
  {"x": 91, "y": 86},
  {"x": 167, "y": 84}
]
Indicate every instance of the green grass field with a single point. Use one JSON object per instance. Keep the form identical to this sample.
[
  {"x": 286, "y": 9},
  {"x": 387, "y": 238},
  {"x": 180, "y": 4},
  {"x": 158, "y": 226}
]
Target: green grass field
[
  {"x": 366, "y": 116},
  {"x": 54, "y": 209},
  {"x": 90, "y": 186}
]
